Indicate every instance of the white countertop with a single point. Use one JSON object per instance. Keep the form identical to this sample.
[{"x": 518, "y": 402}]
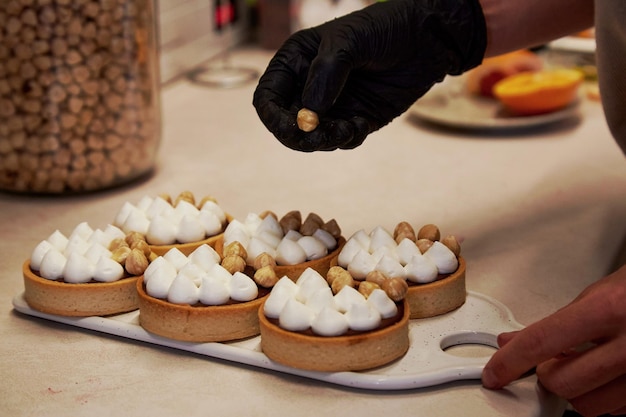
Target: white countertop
[{"x": 541, "y": 213}]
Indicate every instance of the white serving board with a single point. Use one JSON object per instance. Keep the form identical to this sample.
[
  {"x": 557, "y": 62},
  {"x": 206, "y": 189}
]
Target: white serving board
[{"x": 426, "y": 363}]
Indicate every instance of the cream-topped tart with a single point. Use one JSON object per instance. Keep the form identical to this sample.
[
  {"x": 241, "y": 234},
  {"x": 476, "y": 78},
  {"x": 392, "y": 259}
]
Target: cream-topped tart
[
  {"x": 294, "y": 244},
  {"x": 327, "y": 324},
  {"x": 199, "y": 298},
  {"x": 182, "y": 222},
  {"x": 90, "y": 272},
  {"x": 431, "y": 265}
]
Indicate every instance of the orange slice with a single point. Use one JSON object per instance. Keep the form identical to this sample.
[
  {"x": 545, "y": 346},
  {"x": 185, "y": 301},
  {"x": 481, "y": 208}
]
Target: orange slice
[
  {"x": 539, "y": 92},
  {"x": 480, "y": 80}
]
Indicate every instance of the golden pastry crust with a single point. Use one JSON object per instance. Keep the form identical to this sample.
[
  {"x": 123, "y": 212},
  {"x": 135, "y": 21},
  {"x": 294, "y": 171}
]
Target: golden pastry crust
[
  {"x": 353, "y": 352},
  {"x": 86, "y": 299},
  {"x": 438, "y": 297},
  {"x": 187, "y": 248},
  {"x": 198, "y": 323},
  {"x": 321, "y": 265}
]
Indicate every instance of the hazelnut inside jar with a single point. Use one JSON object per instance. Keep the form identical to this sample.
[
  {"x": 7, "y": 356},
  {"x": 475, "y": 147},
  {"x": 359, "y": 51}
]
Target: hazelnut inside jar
[{"x": 79, "y": 94}]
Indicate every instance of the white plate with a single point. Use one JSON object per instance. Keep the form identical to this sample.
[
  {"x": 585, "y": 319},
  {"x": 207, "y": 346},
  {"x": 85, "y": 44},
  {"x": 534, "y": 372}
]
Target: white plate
[
  {"x": 448, "y": 104},
  {"x": 574, "y": 44},
  {"x": 477, "y": 322}
]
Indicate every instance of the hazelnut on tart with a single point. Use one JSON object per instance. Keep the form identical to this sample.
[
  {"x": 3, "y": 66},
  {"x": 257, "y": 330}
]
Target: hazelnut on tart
[
  {"x": 431, "y": 266},
  {"x": 326, "y": 324},
  {"x": 180, "y": 223},
  {"x": 294, "y": 244},
  {"x": 90, "y": 273},
  {"x": 199, "y": 298}
]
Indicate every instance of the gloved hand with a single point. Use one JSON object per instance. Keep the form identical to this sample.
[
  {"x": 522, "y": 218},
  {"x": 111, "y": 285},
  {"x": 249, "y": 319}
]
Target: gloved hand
[{"x": 360, "y": 71}]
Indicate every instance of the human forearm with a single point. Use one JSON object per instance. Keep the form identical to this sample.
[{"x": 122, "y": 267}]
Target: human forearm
[{"x": 515, "y": 24}]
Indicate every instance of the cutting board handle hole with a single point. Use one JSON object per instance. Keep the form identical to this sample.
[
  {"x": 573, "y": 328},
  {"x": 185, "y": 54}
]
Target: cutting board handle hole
[{"x": 469, "y": 344}]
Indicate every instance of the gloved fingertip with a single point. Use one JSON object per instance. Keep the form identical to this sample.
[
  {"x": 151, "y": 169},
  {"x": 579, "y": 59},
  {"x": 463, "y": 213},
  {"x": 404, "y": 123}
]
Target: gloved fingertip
[
  {"x": 359, "y": 128},
  {"x": 280, "y": 122}
]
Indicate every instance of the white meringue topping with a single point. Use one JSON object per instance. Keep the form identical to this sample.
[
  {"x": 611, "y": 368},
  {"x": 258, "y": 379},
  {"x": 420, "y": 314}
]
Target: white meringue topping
[
  {"x": 330, "y": 322},
  {"x": 190, "y": 228},
  {"x": 362, "y": 317},
  {"x": 213, "y": 207},
  {"x": 204, "y": 256},
  {"x": 52, "y": 265},
  {"x": 58, "y": 240},
  {"x": 390, "y": 266},
  {"x": 378, "y": 251},
  {"x": 406, "y": 250},
  {"x": 80, "y": 258},
  {"x": 183, "y": 290},
  {"x": 443, "y": 257},
  {"x": 421, "y": 269},
  {"x": 108, "y": 270},
  {"x": 258, "y": 235},
  {"x": 163, "y": 224},
  {"x": 38, "y": 253},
  {"x": 289, "y": 252},
  {"x": 309, "y": 303},
  {"x": 160, "y": 266},
  {"x": 313, "y": 248},
  {"x": 295, "y": 316},
  {"x": 362, "y": 263},
  {"x": 210, "y": 222},
  {"x": 243, "y": 288},
  {"x": 196, "y": 278},
  {"x": 78, "y": 268},
  {"x": 382, "y": 303},
  {"x": 285, "y": 289},
  {"x": 308, "y": 283},
  {"x": 213, "y": 291},
  {"x": 162, "y": 230}
]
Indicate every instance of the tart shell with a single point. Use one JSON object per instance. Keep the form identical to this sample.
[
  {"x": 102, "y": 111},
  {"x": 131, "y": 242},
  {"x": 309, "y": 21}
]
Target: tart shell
[
  {"x": 83, "y": 299},
  {"x": 321, "y": 265},
  {"x": 189, "y": 323},
  {"x": 353, "y": 352},
  {"x": 438, "y": 297}
]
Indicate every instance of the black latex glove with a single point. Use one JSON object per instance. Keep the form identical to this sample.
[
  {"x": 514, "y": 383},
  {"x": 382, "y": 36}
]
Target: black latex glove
[{"x": 360, "y": 71}]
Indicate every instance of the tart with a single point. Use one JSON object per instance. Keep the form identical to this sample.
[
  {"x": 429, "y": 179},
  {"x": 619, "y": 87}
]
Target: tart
[
  {"x": 355, "y": 352},
  {"x": 91, "y": 273},
  {"x": 87, "y": 299},
  {"x": 180, "y": 223},
  {"x": 294, "y": 244},
  {"x": 310, "y": 328},
  {"x": 198, "y": 323},
  {"x": 196, "y": 298},
  {"x": 432, "y": 267}
]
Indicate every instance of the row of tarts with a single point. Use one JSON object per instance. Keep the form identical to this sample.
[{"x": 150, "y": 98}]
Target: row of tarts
[{"x": 318, "y": 300}]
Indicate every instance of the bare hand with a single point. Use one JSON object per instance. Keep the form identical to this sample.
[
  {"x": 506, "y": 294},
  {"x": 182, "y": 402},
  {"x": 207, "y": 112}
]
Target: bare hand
[{"x": 579, "y": 351}]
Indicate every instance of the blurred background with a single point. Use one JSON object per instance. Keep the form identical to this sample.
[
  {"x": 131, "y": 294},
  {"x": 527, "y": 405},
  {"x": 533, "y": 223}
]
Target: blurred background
[{"x": 194, "y": 31}]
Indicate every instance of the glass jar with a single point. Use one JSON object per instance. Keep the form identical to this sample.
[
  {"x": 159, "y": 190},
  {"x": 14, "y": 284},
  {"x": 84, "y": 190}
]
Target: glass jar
[{"x": 79, "y": 94}]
